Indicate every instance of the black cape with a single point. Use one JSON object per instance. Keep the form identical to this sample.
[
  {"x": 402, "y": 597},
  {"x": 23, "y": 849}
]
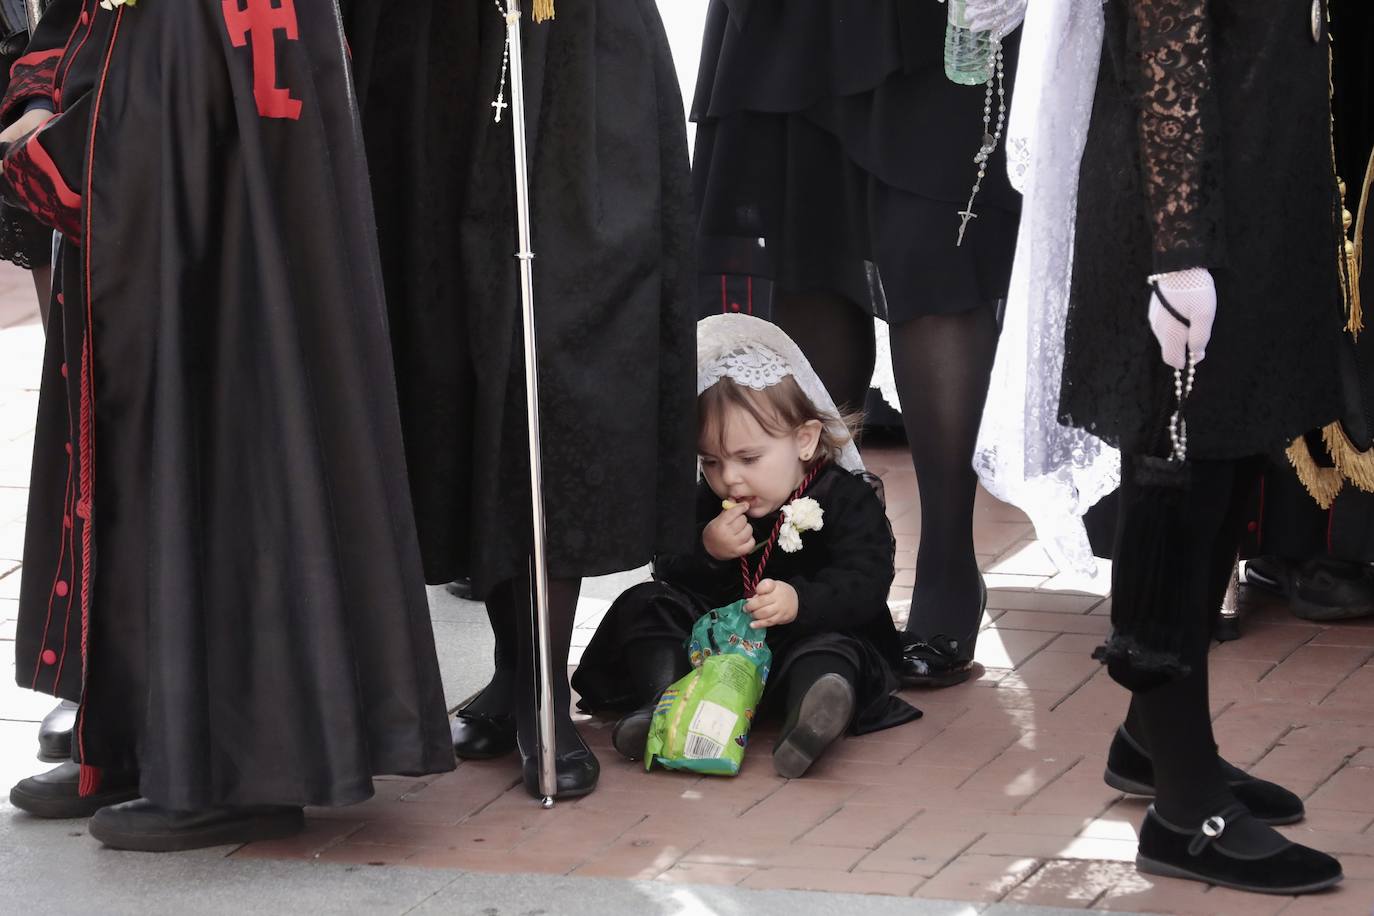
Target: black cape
[
  {"x": 220, "y": 561},
  {"x": 610, "y": 195}
]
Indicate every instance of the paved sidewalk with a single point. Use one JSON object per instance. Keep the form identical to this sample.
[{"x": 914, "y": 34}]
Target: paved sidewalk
[{"x": 993, "y": 799}]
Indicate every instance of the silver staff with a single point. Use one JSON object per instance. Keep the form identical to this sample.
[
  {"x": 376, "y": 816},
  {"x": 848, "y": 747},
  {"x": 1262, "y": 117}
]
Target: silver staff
[
  {"x": 34, "y": 9},
  {"x": 548, "y": 777}
]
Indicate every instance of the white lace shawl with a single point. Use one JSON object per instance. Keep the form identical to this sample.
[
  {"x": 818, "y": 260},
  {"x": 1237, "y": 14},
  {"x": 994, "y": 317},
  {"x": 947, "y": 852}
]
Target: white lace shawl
[{"x": 1024, "y": 456}]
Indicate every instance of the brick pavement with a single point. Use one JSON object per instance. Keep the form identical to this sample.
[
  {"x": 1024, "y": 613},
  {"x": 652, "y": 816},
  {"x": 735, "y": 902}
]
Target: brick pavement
[{"x": 995, "y": 795}]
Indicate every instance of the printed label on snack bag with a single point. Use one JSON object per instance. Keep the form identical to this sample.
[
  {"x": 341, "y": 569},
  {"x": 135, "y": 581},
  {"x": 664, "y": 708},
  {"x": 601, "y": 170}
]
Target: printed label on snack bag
[{"x": 710, "y": 731}]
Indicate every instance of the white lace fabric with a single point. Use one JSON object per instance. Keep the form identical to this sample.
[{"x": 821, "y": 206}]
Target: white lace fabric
[
  {"x": 758, "y": 354},
  {"x": 1024, "y": 455}
]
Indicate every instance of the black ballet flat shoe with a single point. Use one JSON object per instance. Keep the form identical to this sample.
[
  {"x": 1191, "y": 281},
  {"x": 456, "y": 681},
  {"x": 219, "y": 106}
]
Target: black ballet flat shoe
[
  {"x": 55, "y": 733},
  {"x": 460, "y": 588},
  {"x": 935, "y": 663},
  {"x": 631, "y": 733},
  {"x": 1200, "y": 854},
  {"x": 822, "y": 716},
  {"x": 1130, "y": 770},
  {"x": 55, "y": 794},
  {"x": 577, "y": 770},
  {"x": 142, "y": 826},
  {"x": 481, "y": 736}
]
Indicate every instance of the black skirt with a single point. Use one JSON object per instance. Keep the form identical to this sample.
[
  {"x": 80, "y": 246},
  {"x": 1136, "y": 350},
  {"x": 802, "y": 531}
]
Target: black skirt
[
  {"x": 610, "y": 201},
  {"x": 832, "y": 153}
]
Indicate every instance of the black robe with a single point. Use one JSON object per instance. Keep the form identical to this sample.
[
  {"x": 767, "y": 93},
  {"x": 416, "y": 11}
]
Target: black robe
[
  {"x": 613, "y": 279},
  {"x": 1244, "y": 186},
  {"x": 220, "y": 561},
  {"x": 842, "y": 575}
]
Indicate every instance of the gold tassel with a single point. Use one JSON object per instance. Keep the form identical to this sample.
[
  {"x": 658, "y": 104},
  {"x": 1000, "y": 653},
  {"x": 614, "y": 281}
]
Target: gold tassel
[
  {"x": 1355, "y": 466},
  {"x": 1354, "y": 253},
  {"x": 1321, "y": 483},
  {"x": 543, "y": 9}
]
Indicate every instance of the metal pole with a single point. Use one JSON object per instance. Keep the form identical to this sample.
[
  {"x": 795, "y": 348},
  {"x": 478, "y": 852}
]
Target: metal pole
[
  {"x": 34, "y": 9},
  {"x": 548, "y": 777}
]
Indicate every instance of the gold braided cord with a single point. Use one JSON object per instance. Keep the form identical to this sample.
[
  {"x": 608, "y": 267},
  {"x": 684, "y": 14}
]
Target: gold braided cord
[
  {"x": 1364, "y": 212},
  {"x": 1321, "y": 483},
  {"x": 543, "y": 9}
]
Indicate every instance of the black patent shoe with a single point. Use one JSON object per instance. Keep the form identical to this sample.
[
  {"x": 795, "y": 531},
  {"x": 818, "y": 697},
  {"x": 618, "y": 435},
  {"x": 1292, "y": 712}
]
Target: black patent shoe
[
  {"x": 55, "y": 733},
  {"x": 935, "y": 663},
  {"x": 822, "y": 716},
  {"x": 142, "y": 826},
  {"x": 631, "y": 733},
  {"x": 1271, "y": 574},
  {"x": 577, "y": 770},
  {"x": 482, "y": 736},
  {"x": 1200, "y": 854},
  {"x": 1130, "y": 770},
  {"x": 56, "y": 793}
]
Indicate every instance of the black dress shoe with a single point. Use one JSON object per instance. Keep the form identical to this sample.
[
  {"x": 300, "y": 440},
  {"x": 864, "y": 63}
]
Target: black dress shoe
[
  {"x": 1130, "y": 770},
  {"x": 631, "y": 733},
  {"x": 460, "y": 588},
  {"x": 1200, "y": 854},
  {"x": 142, "y": 826},
  {"x": 55, "y": 794},
  {"x": 822, "y": 716},
  {"x": 1326, "y": 590},
  {"x": 1271, "y": 574},
  {"x": 55, "y": 733},
  {"x": 480, "y": 736},
  {"x": 935, "y": 663},
  {"x": 576, "y": 768}
]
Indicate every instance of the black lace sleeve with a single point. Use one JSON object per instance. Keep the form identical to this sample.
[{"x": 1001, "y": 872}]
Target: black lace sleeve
[{"x": 1179, "y": 142}]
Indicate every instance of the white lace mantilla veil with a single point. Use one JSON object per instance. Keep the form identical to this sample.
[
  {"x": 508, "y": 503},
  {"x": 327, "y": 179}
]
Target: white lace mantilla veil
[
  {"x": 1024, "y": 456},
  {"x": 758, "y": 354}
]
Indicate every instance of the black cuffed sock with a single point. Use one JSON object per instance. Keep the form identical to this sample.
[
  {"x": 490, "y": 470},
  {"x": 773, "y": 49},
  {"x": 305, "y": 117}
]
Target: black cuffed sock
[{"x": 942, "y": 364}]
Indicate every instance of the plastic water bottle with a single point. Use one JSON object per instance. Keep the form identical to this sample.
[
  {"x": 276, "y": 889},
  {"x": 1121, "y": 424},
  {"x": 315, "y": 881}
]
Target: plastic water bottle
[{"x": 968, "y": 54}]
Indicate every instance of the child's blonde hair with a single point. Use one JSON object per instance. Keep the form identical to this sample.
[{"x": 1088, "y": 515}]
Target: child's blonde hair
[{"x": 780, "y": 409}]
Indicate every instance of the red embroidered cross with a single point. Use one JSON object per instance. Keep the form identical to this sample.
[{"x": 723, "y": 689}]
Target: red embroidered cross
[{"x": 262, "y": 19}]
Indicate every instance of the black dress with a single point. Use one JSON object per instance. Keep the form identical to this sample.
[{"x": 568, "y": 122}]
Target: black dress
[
  {"x": 220, "y": 562},
  {"x": 832, "y": 153},
  {"x": 1253, "y": 165},
  {"x": 613, "y": 277},
  {"x": 841, "y": 574}
]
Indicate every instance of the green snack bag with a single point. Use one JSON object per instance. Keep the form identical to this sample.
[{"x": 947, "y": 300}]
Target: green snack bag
[{"x": 702, "y": 722}]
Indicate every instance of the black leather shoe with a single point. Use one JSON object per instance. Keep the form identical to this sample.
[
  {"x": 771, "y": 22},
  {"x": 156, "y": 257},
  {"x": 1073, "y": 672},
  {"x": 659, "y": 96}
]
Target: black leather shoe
[
  {"x": 479, "y": 736},
  {"x": 55, "y": 794},
  {"x": 1130, "y": 770},
  {"x": 55, "y": 733},
  {"x": 631, "y": 733},
  {"x": 1325, "y": 590},
  {"x": 577, "y": 770},
  {"x": 822, "y": 716},
  {"x": 935, "y": 663},
  {"x": 1271, "y": 574},
  {"x": 460, "y": 588},
  {"x": 1200, "y": 854},
  {"x": 142, "y": 826}
]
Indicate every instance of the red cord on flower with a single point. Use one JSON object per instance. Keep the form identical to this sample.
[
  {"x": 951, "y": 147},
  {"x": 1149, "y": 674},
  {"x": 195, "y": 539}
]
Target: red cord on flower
[{"x": 751, "y": 581}]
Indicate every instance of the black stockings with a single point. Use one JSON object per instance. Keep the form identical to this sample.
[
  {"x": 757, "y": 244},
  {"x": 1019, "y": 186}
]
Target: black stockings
[
  {"x": 941, "y": 364},
  {"x": 512, "y": 686}
]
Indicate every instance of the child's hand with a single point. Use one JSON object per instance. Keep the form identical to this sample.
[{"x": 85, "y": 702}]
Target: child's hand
[
  {"x": 774, "y": 604},
  {"x": 728, "y": 536}
]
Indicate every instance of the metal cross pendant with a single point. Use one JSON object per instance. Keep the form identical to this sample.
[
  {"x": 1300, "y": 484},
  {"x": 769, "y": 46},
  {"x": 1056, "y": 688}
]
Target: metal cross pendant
[
  {"x": 965, "y": 216},
  {"x": 500, "y": 105}
]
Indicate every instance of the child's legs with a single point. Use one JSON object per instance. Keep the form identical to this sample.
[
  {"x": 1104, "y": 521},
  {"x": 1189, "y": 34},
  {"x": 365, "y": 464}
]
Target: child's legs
[{"x": 639, "y": 648}]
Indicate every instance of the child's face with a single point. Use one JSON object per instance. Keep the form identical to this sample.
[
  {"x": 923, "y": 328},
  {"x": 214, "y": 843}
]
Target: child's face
[{"x": 756, "y": 467}]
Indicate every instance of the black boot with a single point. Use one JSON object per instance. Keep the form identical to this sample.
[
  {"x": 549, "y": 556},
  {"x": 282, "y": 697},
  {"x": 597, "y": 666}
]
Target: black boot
[
  {"x": 1202, "y": 853},
  {"x": 55, "y": 794},
  {"x": 1129, "y": 770},
  {"x": 813, "y": 724},
  {"x": 55, "y": 733},
  {"x": 142, "y": 826},
  {"x": 653, "y": 666}
]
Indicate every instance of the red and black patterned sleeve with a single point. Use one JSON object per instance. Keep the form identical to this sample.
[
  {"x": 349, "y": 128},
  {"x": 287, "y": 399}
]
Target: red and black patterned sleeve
[
  {"x": 42, "y": 170},
  {"x": 34, "y": 75}
]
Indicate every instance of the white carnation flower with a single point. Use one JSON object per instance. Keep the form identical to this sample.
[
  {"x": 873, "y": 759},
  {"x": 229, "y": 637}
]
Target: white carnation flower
[
  {"x": 789, "y": 538},
  {"x": 805, "y": 514}
]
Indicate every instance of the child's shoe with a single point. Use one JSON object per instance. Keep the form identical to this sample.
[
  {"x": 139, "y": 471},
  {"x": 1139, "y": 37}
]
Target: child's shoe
[{"x": 822, "y": 716}]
